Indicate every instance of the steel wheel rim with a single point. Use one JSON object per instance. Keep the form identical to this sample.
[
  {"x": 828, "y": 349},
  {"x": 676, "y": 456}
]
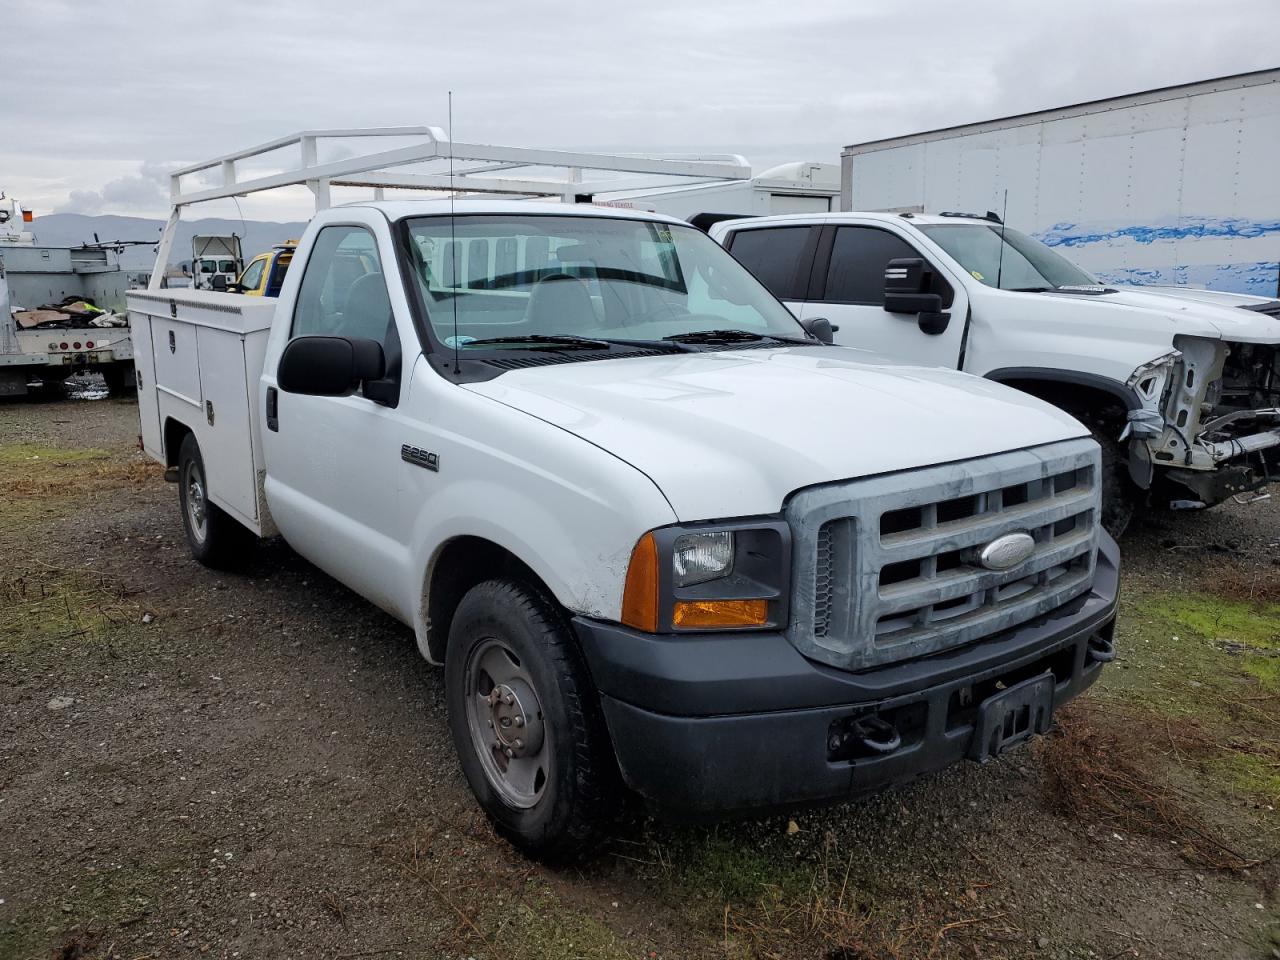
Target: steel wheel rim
[
  {"x": 197, "y": 510},
  {"x": 506, "y": 724}
]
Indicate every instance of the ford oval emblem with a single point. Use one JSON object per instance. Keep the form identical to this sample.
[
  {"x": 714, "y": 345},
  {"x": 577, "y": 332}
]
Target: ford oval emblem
[{"x": 1005, "y": 553}]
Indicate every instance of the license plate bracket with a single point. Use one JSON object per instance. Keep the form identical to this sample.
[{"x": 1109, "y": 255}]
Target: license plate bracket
[{"x": 1012, "y": 716}]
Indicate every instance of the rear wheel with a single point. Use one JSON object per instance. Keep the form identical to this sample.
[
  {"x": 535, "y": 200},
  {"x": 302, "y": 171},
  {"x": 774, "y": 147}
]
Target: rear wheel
[
  {"x": 525, "y": 721},
  {"x": 118, "y": 377},
  {"x": 215, "y": 539}
]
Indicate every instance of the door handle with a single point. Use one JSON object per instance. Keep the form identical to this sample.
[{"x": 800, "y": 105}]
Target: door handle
[{"x": 273, "y": 410}]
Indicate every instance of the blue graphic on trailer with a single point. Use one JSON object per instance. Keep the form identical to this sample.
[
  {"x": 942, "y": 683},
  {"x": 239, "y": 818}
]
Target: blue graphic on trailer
[{"x": 1260, "y": 277}]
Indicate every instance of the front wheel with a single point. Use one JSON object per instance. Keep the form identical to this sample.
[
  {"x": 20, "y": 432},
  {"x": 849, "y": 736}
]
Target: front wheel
[
  {"x": 525, "y": 721},
  {"x": 215, "y": 538},
  {"x": 1120, "y": 496}
]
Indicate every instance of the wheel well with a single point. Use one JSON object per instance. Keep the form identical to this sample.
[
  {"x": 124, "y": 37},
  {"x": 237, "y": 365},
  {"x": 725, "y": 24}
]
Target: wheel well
[
  {"x": 1084, "y": 402},
  {"x": 174, "y": 433},
  {"x": 462, "y": 563}
]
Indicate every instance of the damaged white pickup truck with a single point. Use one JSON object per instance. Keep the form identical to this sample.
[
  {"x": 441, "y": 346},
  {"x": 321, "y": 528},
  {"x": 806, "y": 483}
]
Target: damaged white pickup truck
[
  {"x": 1182, "y": 391},
  {"x": 660, "y": 536}
]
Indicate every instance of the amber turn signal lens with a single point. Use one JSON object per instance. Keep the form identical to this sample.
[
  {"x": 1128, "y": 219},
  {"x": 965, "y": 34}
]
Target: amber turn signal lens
[
  {"x": 696, "y": 614},
  {"x": 640, "y": 595}
]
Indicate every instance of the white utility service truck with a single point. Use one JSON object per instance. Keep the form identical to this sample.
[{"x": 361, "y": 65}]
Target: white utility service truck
[
  {"x": 660, "y": 535},
  {"x": 1171, "y": 186},
  {"x": 1182, "y": 392},
  {"x": 49, "y": 345}
]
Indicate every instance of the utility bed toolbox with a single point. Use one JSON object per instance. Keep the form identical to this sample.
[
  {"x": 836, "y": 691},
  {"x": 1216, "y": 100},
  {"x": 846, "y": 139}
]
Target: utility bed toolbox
[{"x": 198, "y": 355}]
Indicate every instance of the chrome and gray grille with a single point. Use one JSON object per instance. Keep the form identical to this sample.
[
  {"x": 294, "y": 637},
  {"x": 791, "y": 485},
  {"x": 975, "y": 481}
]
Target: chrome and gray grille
[{"x": 887, "y": 568}]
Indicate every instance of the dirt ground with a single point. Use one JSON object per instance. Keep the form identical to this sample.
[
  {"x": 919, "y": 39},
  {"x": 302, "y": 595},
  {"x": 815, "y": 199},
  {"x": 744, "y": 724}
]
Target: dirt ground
[{"x": 258, "y": 765}]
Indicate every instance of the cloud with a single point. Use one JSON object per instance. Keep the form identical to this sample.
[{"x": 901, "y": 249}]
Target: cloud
[{"x": 145, "y": 192}]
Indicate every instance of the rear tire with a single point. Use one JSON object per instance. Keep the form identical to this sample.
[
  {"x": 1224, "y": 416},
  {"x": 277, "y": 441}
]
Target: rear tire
[
  {"x": 515, "y": 681},
  {"x": 215, "y": 538},
  {"x": 119, "y": 378}
]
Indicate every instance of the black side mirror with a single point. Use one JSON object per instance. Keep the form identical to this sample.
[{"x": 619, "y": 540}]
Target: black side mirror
[
  {"x": 906, "y": 283},
  {"x": 821, "y": 328},
  {"x": 219, "y": 283},
  {"x": 329, "y": 366}
]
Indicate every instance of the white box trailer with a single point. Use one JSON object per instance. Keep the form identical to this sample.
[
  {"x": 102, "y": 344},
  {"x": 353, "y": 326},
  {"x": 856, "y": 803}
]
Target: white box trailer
[
  {"x": 1171, "y": 186},
  {"x": 798, "y": 187}
]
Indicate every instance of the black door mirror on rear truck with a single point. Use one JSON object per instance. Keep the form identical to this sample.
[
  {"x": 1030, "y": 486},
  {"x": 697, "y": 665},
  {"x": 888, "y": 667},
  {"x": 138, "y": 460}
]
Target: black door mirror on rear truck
[
  {"x": 329, "y": 366},
  {"x": 906, "y": 290}
]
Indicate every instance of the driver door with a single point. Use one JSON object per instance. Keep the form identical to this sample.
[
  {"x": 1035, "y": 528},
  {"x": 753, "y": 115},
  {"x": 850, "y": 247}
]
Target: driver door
[{"x": 334, "y": 464}]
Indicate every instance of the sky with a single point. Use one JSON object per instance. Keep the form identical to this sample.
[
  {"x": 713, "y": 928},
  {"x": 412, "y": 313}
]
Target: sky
[{"x": 107, "y": 97}]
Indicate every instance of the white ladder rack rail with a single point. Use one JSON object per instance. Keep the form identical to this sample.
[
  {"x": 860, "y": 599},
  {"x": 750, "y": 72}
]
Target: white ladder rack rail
[{"x": 378, "y": 169}]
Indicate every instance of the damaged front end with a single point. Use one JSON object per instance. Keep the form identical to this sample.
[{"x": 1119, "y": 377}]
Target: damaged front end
[{"x": 1210, "y": 419}]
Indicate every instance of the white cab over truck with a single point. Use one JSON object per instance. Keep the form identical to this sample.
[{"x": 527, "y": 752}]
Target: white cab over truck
[
  {"x": 610, "y": 483},
  {"x": 216, "y": 261},
  {"x": 1182, "y": 392}
]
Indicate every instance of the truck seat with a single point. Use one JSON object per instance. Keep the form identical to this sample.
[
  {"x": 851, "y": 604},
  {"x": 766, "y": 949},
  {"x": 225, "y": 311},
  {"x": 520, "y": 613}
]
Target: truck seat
[{"x": 560, "y": 304}]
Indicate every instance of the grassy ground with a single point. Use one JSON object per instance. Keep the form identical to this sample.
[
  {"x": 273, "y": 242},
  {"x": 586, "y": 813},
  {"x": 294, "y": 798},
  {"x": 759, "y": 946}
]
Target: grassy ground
[{"x": 258, "y": 765}]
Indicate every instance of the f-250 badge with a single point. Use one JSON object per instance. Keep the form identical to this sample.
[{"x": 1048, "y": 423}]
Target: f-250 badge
[{"x": 420, "y": 458}]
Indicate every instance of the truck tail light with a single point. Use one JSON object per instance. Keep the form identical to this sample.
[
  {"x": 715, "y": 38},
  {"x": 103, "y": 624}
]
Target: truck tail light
[
  {"x": 76, "y": 344},
  {"x": 88, "y": 345},
  {"x": 62, "y": 345},
  {"x": 640, "y": 594}
]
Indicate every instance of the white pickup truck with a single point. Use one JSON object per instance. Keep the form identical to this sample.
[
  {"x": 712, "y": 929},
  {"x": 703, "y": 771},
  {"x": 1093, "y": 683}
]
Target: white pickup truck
[
  {"x": 1182, "y": 391},
  {"x": 660, "y": 536}
]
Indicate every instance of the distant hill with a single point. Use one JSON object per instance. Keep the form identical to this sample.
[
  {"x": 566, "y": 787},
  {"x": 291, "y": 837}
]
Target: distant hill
[{"x": 73, "y": 229}]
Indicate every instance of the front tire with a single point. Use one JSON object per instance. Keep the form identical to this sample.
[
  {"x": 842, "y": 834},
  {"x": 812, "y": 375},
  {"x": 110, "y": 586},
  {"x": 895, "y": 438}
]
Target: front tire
[
  {"x": 1120, "y": 496},
  {"x": 525, "y": 721},
  {"x": 215, "y": 538}
]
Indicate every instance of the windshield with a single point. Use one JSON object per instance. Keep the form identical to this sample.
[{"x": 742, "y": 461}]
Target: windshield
[
  {"x": 577, "y": 276},
  {"x": 208, "y": 266},
  {"x": 1027, "y": 264}
]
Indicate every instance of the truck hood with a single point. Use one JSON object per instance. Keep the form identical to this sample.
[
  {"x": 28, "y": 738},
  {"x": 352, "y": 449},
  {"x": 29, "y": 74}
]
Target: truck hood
[
  {"x": 1217, "y": 298},
  {"x": 727, "y": 434},
  {"x": 1180, "y": 315}
]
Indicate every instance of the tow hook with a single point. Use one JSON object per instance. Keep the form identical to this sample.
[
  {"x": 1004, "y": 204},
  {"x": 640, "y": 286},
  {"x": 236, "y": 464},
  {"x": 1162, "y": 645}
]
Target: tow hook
[
  {"x": 1101, "y": 649},
  {"x": 864, "y": 736}
]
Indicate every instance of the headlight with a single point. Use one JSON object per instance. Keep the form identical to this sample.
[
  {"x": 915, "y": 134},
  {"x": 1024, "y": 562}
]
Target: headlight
[
  {"x": 730, "y": 576},
  {"x": 699, "y": 557}
]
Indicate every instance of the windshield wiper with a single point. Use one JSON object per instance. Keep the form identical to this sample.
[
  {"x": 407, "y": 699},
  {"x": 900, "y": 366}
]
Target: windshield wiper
[
  {"x": 568, "y": 341},
  {"x": 564, "y": 341},
  {"x": 1030, "y": 289},
  {"x": 731, "y": 336}
]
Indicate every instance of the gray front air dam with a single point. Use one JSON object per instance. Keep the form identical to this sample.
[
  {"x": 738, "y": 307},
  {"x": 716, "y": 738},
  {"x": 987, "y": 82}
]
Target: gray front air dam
[{"x": 721, "y": 722}]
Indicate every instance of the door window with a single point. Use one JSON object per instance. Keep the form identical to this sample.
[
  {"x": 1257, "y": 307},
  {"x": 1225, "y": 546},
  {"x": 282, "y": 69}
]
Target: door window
[
  {"x": 780, "y": 258},
  {"x": 252, "y": 276},
  {"x": 858, "y": 258},
  {"x": 343, "y": 292}
]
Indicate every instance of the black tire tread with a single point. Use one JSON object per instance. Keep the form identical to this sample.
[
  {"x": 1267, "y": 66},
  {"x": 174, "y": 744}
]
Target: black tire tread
[{"x": 596, "y": 780}]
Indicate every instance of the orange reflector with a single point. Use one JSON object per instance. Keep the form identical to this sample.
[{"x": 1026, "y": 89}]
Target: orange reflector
[
  {"x": 27, "y": 216},
  {"x": 640, "y": 595},
  {"x": 692, "y": 614}
]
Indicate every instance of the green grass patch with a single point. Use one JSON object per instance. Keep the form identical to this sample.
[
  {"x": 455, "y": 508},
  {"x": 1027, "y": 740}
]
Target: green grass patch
[
  {"x": 543, "y": 927},
  {"x": 1254, "y": 773},
  {"x": 43, "y": 607},
  {"x": 726, "y": 868},
  {"x": 36, "y": 456}
]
